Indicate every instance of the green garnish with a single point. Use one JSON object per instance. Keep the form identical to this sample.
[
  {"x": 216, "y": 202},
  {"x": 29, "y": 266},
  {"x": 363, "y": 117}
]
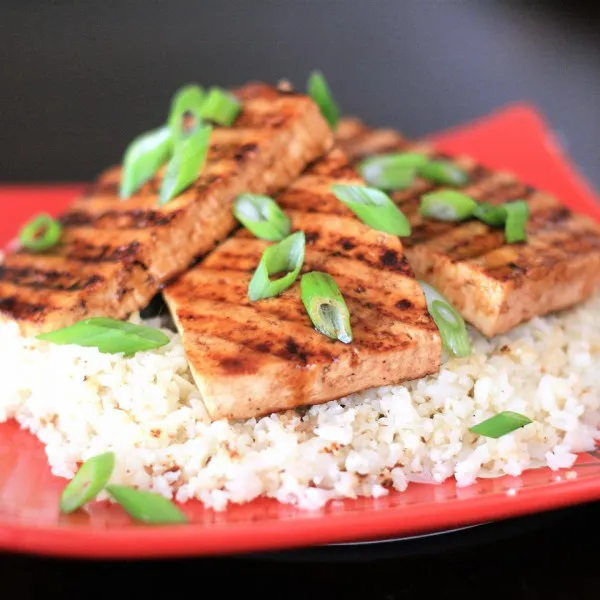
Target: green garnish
[
  {"x": 325, "y": 306},
  {"x": 220, "y": 107},
  {"x": 319, "y": 91},
  {"x": 146, "y": 506},
  {"x": 89, "y": 481},
  {"x": 490, "y": 214},
  {"x": 451, "y": 205},
  {"x": 447, "y": 205},
  {"x": 184, "y": 168},
  {"x": 374, "y": 208},
  {"x": 285, "y": 257},
  {"x": 516, "y": 221},
  {"x": 448, "y": 320},
  {"x": 513, "y": 215},
  {"x": 186, "y": 106},
  {"x": 41, "y": 233},
  {"x": 391, "y": 171},
  {"x": 108, "y": 335},
  {"x": 500, "y": 424},
  {"x": 443, "y": 172},
  {"x": 143, "y": 157},
  {"x": 262, "y": 216}
]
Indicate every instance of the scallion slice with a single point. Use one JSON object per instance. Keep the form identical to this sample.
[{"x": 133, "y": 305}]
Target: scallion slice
[
  {"x": 143, "y": 157},
  {"x": 374, "y": 208},
  {"x": 517, "y": 213},
  {"x": 513, "y": 215},
  {"x": 447, "y": 205},
  {"x": 285, "y": 257},
  {"x": 146, "y": 506},
  {"x": 443, "y": 172},
  {"x": 108, "y": 335},
  {"x": 186, "y": 105},
  {"x": 220, "y": 107},
  {"x": 262, "y": 216},
  {"x": 326, "y": 306},
  {"x": 41, "y": 233},
  {"x": 394, "y": 171},
  {"x": 500, "y": 424},
  {"x": 450, "y": 323},
  {"x": 490, "y": 214},
  {"x": 184, "y": 167},
  {"x": 319, "y": 91},
  {"x": 89, "y": 481}
]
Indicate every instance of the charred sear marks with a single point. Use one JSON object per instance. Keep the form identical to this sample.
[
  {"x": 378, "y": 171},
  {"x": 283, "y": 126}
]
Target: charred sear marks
[
  {"x": 236, "y": 152},
  {"x": 115, "y": 219},
  {"x": 395, "y": 261},
  {"x": 311, "y": 237},
  {"x": 293, "y": 350},
  {"x": 89, "y": 253},
  {"x": 348, "y": 243},
  {"x": 32, "y": 277},
  {"x": 404, "y": 304},
  {"x": 19, "y": 310}
]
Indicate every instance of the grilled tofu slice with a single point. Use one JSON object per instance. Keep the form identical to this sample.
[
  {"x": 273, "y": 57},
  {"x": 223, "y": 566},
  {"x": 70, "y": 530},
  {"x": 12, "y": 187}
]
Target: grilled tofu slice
[
  {"x": 254, "y": 358},
  {"x": 115, "y": 255},
  {"x": 494, "y": 285}
]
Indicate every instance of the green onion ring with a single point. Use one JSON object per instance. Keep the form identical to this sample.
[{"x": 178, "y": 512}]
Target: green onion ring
[
  {"x": 41, "y": 233},
  {"x": 326, "y": 306}
]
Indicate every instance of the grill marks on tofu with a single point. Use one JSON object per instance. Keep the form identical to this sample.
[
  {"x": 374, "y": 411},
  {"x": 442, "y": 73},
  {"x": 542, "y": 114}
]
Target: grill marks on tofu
[
  {"x": 115, "y": 255},
  {"x": 250, "y": 359},
  {"x": 495, "y": 285}
]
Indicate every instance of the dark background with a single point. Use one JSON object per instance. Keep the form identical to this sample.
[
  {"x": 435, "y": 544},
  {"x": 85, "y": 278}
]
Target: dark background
[{"x": 78, "y": 80}]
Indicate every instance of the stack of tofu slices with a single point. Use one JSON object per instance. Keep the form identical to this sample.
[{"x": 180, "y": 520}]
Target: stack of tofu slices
[{"x": 252, "y": 358}]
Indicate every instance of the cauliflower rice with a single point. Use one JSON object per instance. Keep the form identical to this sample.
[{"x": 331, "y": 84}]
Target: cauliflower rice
[{"x": 146, "y": 409}]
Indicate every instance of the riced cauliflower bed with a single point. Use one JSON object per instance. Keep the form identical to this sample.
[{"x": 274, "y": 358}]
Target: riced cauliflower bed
[{"x": 146, "y": 409}]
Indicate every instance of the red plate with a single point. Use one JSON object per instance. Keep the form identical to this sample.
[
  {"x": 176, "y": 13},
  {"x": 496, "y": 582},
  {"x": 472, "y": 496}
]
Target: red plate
[{"x": 515, "y": 139}]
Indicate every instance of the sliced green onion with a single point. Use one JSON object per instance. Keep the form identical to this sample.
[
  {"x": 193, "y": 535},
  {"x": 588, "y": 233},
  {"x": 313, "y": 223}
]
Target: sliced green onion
[
  {"x": 513, "y": 215},
  {"x": 448, "y": 320},
  {"x": 447, "y": 205},
  {"x": 186, "y": 103},
  {"x": 262, "y": 216},
  {"x": 108, "y": 335},
  {"x": 444, "y": 172},
  {"x": 184, "y": 167},
  {"x": 490, "y": 214},
  {"x": 500, "y": 424},
  {"x": 319, "y": 91},
  {"x": 516, "y": 220},
  {"x": 374, "y": 208},
  {"x": 89, "y": 481},
  {"x": 146, "y": 506},
  {"x": 285, "y": 257},
  {"x": 391, "y": 171},
  {"x": 220, "y": 107},
  {"x": 326, "y": 306},
  {"x": 41, "y": 233},
  {"x": 143, "y": 157}
]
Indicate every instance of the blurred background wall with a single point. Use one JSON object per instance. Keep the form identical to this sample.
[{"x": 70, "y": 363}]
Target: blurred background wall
[{"x": 78, "y": 80}]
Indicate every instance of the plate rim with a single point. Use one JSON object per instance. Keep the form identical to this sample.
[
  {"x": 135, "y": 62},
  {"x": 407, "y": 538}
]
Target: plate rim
[
  {"x": 303, "y": 529},
  {"x": 143, "y": 541}
]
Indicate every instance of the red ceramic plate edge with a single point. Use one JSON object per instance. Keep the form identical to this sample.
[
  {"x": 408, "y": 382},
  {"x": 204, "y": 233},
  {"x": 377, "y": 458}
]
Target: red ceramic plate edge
[
  {"x": 368, "y": 523},
  {"x": 186, "y": 540}
]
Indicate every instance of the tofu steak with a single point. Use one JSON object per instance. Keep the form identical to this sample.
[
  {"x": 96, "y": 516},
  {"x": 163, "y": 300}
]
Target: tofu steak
[
  {"x": 494, "y": 285},
  {"x": 115, "y": 254},
  {"x": 253, "y": 358}
]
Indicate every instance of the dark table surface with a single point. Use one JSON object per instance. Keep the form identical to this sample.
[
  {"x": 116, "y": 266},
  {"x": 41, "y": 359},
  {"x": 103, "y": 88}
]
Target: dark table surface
[{"x": 553, "y": 556}]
